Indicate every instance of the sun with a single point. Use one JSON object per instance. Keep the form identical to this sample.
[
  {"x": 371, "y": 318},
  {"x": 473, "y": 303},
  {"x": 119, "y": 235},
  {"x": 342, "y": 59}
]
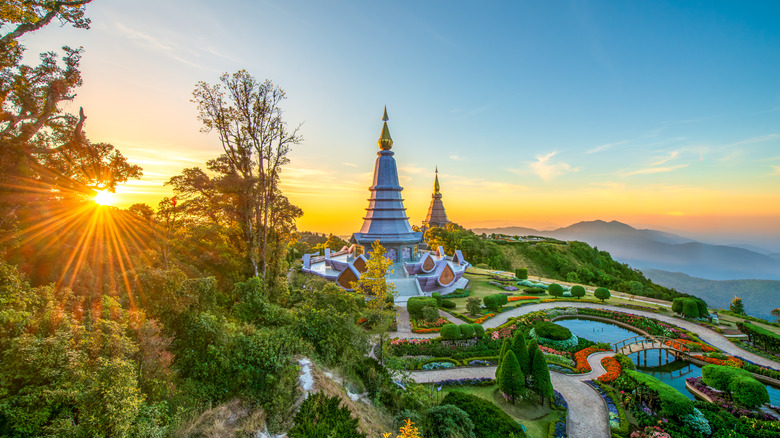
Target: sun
[{"x": 104, "y": 197}]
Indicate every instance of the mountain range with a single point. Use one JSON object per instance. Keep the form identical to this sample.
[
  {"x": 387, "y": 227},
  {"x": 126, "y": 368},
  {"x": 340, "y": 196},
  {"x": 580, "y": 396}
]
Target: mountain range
[{"x": 652, "y": 249}]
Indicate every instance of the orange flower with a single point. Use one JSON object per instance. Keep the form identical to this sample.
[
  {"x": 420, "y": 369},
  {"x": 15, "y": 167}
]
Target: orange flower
[{"x": 613, "y": 370}]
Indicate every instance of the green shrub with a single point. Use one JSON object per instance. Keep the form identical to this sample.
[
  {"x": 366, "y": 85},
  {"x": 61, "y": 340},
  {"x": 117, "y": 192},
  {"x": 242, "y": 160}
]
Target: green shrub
[
  {"x": 448, "y": 304},
  {"x": 521, "y": 273},
  {"x": 555, "y": 290},
  {"x": 720, "y": 376},
  {"x": 446, "y": 421},
  {"x": 458, "y": 293},
  {"x": 552, "y": 331},
  {"x": 578, "y": 291},
  {"x": 415, "y": 305},
  {"x": 321, "y": 416},
  {"x": 495, "y": 301},
  {"x": 430, "y": 314},
  {"x": 748, "y": 391},
  {"x": 690, "y": 308},
  {"x": 602, "y": 293},
  {"x": 466, "y": 331},
  {"x": 625, "y": 362},
  {"x": 489, "y": 420},
  {"x": 677, "y": 304},
  {"x": 704, "y": 312},
  {"x": 450, "y": 331},
  {"x": 437, "y": 296},
  {"x": 534, "y": 291},
  {"x": 479, "y": 331}
]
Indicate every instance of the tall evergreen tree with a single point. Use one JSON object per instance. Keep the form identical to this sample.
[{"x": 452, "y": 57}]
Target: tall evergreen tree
[
  {"x": 736, "y": 306},
  {"x": 512, "y": 382},
  {"x": 519, "y": 347},
  {"x": 533, "y": 351},
  {"x": 505, "y": 346},
  {"x": 540, "y": 379}
]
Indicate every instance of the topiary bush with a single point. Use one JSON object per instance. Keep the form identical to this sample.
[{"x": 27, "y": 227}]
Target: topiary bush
[
  {"x": 466, "y": 331},
  {"x": 479, "y": 331},
  {"x": 555, "y": 290},
  {"x": 578, "y": 291},
  {"x": 552, "y": 331},
  {"x": 521, "y": 273},
  {"x": 690, "y": 308},
  {"x": 720, "y": 376},
  {"x": 437, "y": 296},
  {"x": 745, "y": 389},
  {"x": 448, "y": 304},
  {"x": 602, "y": 293},
  {"x": 450, "y": 332},
  {"x": 534, "y": 290},
  {"x": 415, "y": 305},
  {"x": 489, "y": 420}
]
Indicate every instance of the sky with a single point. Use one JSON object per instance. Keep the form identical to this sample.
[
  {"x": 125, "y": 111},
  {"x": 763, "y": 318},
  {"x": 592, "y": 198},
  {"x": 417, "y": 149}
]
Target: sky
[{"x": 662, "y": 115}]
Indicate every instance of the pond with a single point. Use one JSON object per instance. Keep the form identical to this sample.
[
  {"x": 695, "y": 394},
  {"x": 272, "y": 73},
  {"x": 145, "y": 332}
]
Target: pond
[
  {"x": 596, "y": 331},
  {"x": 672, "y": 373}
]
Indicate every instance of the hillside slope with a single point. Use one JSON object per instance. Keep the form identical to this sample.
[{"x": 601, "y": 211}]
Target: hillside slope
[{"x": 758, "y": 296}]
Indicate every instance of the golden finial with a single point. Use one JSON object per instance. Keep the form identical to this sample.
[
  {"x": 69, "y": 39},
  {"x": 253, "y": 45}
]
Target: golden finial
[
  {"x": 385, "y": 142},
  {"x": 436, "y": 188}
]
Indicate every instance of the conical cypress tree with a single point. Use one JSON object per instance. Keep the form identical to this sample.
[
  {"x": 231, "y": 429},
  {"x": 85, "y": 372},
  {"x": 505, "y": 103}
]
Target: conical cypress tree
[
  {"x": 504, "y": 347},
  {"x": 540, "y": 378},
  {"x": 518, "y": 346},
  {"x": 512, "y": 382},
  {"x": 533, "y": 350}
]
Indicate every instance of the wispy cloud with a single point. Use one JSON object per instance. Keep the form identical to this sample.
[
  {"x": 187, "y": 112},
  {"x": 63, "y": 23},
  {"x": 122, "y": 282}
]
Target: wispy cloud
[
  {"x": 671, "y": 156},
  {"x": 484, "y": 185},
  {"x": 752, "y": 140},
  {"x": 546, "y": 169},
  {"x": 157, "y": 44},
  {"x": 455, "y": 158},
  {"x": 606, "y": 146},
  {"x": 652, "y": 170},
  {"x": 350, "y": 164},
  {"x": 410, "y": 169}
]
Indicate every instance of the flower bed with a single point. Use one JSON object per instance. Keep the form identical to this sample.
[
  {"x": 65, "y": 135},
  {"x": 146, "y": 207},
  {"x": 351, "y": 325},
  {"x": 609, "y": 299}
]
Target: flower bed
[
  {"x": 613, "y": 370},
  {"x": 521, "y": 298},
  {"x": 481, "y": 363},
  {"x": 483, "y": 318},
  {"x": 558, "y": 359},
  {"x": 438, "y": 365},
  {"x": 617, "y": 416},
  {"x": 650, "y": 432},
  {"x": 723, "y": 400},
  {"x": 477, "y": 381},
  {"x": 554, "y": 351},
  {"x": 648, "y": 325},
  {"x": 731, "y": 361},
  {"x": 581, "y": 357},
  {"x": 688, "y": 345}
]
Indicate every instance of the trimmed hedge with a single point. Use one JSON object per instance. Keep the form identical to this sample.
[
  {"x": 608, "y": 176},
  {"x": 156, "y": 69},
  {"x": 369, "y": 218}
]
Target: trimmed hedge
[
  {"x": 720, "y": 376},
  {"x": 437, "y": 296},
  {"x": 759, "y": 335},
  {"x": 459, "y": 293},
  {"x": 448, "y": 304},
  {"x": 552, "y": 331},
  {"x": 673, "y": 403},
  {"x": 466, "y": 330},
  {"x": 415, "y": 305},
  {"x": 479, "y": 331},
  {"x": 450, "y": 331},
  {"x": 535, "y": 291},
  {"x": 748, "y": 391}
]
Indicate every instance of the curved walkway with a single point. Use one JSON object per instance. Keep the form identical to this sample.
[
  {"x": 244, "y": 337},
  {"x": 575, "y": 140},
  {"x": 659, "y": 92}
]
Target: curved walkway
[
  {"x": 587, "y": 418},
  {"x": 705, "y": 334}
]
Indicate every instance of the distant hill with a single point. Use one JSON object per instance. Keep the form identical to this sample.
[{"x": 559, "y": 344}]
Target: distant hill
[
  {"x": 651, "y": 249},
  {"x": 758, "y": 296}
]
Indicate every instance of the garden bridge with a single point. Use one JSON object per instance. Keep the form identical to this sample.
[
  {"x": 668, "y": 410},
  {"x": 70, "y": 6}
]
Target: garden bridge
[{"x": 641, "y": 344}]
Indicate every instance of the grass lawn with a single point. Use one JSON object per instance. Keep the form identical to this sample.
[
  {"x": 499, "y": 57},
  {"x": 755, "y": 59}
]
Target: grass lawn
[
  {"x": 732, "y": 320},
  {"x": 534, "y": 417}
]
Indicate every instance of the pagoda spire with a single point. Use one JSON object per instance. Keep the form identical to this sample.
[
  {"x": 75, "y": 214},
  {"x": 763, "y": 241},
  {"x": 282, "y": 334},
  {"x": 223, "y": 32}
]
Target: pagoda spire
[
  {"x": 436, "y": 188},
  {"x": 437, "y": 216},
  {"x": 385, "y": 141}
]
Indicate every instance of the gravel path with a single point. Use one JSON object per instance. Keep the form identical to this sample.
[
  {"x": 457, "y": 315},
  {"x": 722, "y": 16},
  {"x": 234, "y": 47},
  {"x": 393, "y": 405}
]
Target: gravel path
[
  {"x": 705, "y": 334},
  {"x": 587, "y": 417}
]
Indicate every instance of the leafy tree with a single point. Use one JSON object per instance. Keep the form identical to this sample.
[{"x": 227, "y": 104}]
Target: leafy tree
[
  {"x": 555, "y": 290},
  {"x": 521, "y": 352},
  {"x": 577, "y": 291},
  {"x": 736, "y": 306},
  {"x": 321, "y": 416},
  {"x": 448, "y": 421},
  {"x": 540, "y": 378},
  {"x": 602, "y": 293},
  {"x": 474, "y": 305},
  {"x": 375, "y": 288},
  {"x": 247, "y": 116},
  {"x": 512, "y": 380}
]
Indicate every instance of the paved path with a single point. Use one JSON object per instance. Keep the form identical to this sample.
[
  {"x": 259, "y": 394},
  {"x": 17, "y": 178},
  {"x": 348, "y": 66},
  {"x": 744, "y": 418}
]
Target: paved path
[
  {"x": 405, "y": 327},
  {"x": 452, "y": 318},
  {"x": 588, "y": 416},
  {"x": 705, "y": 334}
]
